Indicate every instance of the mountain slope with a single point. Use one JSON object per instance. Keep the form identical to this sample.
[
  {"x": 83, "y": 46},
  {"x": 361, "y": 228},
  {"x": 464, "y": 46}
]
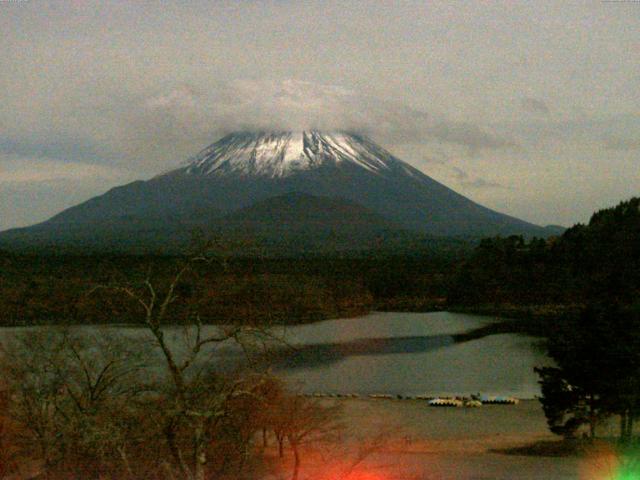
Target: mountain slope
[
  {"x": 306, "y": 223},
  {"x": 303, "y": 209},
  {"x": 244, "y": 168}
]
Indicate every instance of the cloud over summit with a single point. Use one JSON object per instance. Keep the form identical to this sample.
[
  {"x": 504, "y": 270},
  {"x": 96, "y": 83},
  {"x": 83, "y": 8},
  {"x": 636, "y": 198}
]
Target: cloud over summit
[{"x": 303, "y": 105}]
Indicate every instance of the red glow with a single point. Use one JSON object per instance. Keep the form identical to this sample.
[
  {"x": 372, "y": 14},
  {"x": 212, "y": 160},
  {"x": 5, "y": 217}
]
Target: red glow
[
  {"x": 341, "y": 472},
  {"x": 601, "y": 463}
]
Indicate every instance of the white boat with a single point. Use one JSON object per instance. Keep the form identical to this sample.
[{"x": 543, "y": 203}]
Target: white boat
[
  {"x": 499, "y": 400},
  {"x": 445, "y": 402}
]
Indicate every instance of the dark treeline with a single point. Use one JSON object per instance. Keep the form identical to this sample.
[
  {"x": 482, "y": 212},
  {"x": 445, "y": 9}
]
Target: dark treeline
[
  {"x": 591, "y": 277},
  {"x": 597, "y": 358},
  {"x": 598, "y": 261},
  {"x": 581, "y": 293},
  {"x": 67, "y": 288}
]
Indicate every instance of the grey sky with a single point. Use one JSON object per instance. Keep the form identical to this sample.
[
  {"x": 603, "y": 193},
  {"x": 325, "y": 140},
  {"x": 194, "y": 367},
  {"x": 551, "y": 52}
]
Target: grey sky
[{"x": 529, "y": 108}]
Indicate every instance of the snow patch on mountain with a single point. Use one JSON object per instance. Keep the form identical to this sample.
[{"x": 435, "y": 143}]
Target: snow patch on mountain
[{"x": 282, "y": 154}]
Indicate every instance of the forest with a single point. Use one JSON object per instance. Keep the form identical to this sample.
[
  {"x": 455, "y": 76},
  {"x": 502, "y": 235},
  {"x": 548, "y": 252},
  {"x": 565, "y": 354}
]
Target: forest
[
  {"x": 594, "y": 262},
  {"x": 38, "y": 289}
]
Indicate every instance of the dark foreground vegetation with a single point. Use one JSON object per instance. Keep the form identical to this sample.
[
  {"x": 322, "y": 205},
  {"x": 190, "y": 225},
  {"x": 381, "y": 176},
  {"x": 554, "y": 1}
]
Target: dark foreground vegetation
[
  {"x": 597, "y": 372},
  {"x": 581, "y": 291},
  {"x": 89, "y": 406},
  {"x": 593, "y": 272},
  {"x": 162, "y": 402},
  {"x": 600, "y": 260}
]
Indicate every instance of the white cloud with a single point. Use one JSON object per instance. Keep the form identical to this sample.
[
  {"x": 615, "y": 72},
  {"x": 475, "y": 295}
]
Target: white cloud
[
  {"x": 34, "y": 189},
  {"x": 16, "y": 170},
  {"x": 465, "y": 180},
  {"x": 186, "y": 115}
]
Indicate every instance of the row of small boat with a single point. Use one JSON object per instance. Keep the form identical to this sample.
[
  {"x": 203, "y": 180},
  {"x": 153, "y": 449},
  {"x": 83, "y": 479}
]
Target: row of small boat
[
  {"x": 453, "y": 402},
  {"x": 474, "y": 401},
  {"x": 331, "y": 395},
  {"x": 499, "y": 400}
]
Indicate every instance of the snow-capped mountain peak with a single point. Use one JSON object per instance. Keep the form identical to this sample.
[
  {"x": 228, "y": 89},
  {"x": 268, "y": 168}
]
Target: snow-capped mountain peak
[
  {"x": 269, "y": 183},
  {"x": 280, "y": 154}
]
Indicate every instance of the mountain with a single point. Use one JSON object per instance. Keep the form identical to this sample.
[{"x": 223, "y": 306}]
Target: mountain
[
  {"x": 227, "y": 183},
  {"x": 299, "y": 222},
  {"x": 295, "y": 209}
]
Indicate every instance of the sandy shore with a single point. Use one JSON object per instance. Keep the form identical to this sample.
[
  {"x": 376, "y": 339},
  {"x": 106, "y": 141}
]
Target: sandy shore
[{"x": 412, "y": 441}]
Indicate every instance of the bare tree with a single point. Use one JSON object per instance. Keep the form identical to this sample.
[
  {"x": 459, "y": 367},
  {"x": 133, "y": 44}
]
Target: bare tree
[
  {"x": 300, "y": 421},
  {"x": 199, "y": 394},
  {"x": 160, "y": 401},
  {"x": 65, "y": 389}
]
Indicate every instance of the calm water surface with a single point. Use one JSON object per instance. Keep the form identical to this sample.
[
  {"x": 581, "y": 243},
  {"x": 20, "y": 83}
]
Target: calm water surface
[
  {"x": 396, "y": 353},
  {"x": 411, "y": 353}
]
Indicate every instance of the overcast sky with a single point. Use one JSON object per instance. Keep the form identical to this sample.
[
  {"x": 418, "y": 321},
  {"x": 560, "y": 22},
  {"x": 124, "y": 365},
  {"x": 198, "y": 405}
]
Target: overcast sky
[{"x": 532, "y": 108}]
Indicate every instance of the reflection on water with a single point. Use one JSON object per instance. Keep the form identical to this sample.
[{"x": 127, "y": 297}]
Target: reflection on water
[
  {"x": 403, "y": 353},
  {"x": 386, "y": 325},
  {"x": 312, "y": 355}
]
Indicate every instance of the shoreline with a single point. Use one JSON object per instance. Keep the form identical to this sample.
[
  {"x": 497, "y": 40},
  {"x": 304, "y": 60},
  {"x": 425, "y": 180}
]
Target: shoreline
[{"x": 415, "y": 441}]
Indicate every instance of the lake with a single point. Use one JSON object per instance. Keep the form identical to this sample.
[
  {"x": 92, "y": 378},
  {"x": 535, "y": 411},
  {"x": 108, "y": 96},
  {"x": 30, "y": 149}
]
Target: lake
[{"x": 390, "y": 353}]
